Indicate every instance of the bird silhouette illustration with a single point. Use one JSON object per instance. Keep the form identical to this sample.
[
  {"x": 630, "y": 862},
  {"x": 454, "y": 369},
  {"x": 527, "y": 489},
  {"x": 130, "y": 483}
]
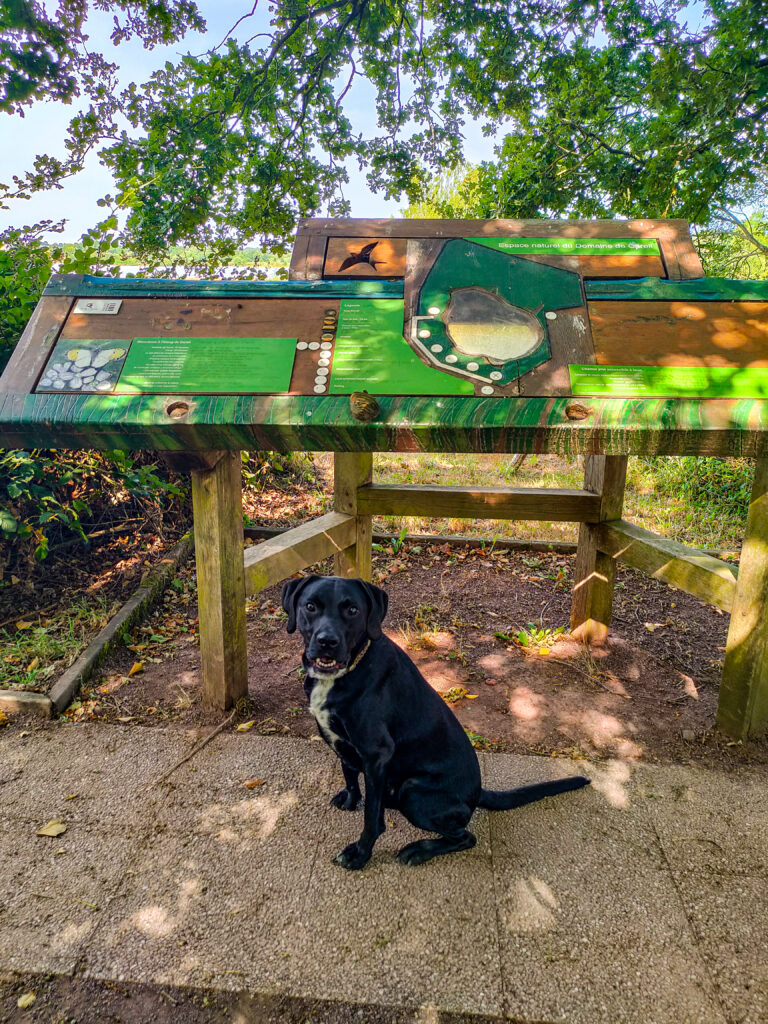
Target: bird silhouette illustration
[{"x": 364, "y": 256}]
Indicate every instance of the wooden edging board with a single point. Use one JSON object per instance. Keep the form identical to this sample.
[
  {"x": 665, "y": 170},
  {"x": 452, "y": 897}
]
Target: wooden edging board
[{"x": 134, "y": 610}]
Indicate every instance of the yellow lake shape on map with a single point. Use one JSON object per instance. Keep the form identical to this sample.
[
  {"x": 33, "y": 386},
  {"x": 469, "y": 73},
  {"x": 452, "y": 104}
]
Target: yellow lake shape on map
[{"x": 480, "y": 323}]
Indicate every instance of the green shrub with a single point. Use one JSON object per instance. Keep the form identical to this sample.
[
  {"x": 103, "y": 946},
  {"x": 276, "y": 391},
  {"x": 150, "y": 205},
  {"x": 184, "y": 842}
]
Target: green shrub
[
  {"x": 25, "y": 266},
  {"x": 44, "y": 494}
]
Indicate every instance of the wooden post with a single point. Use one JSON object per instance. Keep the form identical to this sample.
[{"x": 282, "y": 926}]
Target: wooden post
[
  {"x": 218, "y": 513},
  {"x": 350, "y": 471},
  {"x": 594, "y": 572},
  {"x": 742, "y": 710}
]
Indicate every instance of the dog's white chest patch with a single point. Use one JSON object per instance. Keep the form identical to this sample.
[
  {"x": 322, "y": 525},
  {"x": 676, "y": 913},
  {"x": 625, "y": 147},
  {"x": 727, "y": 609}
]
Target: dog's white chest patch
[{"x": 318, "y": 709}]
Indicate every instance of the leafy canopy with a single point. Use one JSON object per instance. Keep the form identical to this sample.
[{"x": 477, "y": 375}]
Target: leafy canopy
[{"x": 627, "y": 108}]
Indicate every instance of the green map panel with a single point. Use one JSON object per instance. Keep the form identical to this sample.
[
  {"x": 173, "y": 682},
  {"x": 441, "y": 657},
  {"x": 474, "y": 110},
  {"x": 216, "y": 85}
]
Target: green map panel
[
  {"x": 534, "y": 286},
  {"x": 669, "y": 381},
  {"x": 562, "y": 246},
  {"x": 371, "y": 354},
  {"x": 208, "y": 365}
]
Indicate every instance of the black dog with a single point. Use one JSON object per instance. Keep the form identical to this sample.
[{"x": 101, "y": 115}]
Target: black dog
[{"x": 382, "y": 718}]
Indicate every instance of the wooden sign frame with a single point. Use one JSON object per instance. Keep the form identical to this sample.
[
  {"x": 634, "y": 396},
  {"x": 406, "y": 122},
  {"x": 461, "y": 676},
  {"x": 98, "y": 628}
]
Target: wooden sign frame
[{"x": 204, "y": 433}]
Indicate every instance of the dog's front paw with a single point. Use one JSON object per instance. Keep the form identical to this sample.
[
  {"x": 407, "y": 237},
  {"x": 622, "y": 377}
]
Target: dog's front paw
[
  {"x": 346, "y": 800},
  {"x": 353, "y": 857}
]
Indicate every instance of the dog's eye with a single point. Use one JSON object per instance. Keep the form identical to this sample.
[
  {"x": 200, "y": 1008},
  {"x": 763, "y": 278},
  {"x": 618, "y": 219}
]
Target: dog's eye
[
  {"x": 352, "y": 610},
  {"x": 310, "y": 606}
]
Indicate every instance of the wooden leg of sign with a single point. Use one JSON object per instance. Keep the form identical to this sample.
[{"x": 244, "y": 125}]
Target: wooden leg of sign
[
  {"x": 594, "y": 572},
  {"x": 218, "y": 515},
  {"x": 743, "y": 705},
  {"x": 350, "y": 471}
]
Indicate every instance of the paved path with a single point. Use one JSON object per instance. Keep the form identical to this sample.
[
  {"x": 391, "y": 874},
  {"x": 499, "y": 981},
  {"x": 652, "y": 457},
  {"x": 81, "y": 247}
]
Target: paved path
[{"x": 642, "y": 899}]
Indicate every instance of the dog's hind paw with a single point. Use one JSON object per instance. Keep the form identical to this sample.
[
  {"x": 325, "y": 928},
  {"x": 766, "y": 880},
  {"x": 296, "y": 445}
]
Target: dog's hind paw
[
  {"x": 346, "y": 800},
  {"x": 352, "y": 857}
]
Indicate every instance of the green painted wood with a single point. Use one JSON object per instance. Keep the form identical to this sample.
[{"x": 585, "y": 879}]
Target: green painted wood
[
  {"x": 325, "y": 423},
  {"x": 702, "y": 289},
  {"x": 88, "y": 286}
]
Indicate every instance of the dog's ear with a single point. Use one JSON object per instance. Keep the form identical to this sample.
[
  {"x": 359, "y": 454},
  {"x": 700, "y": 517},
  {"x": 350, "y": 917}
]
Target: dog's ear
[
  {"x": 290, "y": 596},
  {"x": 378, "y": 602}
]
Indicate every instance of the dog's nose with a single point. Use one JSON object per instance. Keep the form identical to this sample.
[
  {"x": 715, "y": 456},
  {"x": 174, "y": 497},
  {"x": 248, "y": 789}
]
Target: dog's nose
[{"x": 327, "y": 640}]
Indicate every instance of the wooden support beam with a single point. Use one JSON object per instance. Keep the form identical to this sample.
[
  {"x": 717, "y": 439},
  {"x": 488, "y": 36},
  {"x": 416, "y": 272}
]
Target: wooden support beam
[
  {"x": 218, "y": 523},
  {"x": 549, "y": 504},
  {"x": 594, "y": 571},
  {"x": 743, "y": 705},
  {"x": 280, "y": 557},
  {"x": 351, "y": 472},
  {"x": 688, "y": 569}
]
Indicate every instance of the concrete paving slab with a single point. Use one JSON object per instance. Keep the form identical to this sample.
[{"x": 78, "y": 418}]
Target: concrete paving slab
[
  {"x": 729, "y": 915},
  {"x": 215, "y": 897},
  {"x": 592, "y": 907},
  {"x": 592, "y": 927},
  {"x": 206, "y": 910},
  {"x": 53, "y": 891},
  {"x": 108, "y": 768},
  {"x": 708, "y": 821},
  {"x": 417, "y": 937}
]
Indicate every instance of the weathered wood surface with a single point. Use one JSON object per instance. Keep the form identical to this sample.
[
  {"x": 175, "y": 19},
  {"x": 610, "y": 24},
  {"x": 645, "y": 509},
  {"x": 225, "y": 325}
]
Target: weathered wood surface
[
  {"x": 280, "y": 557},
  {"x": 594, "y": 572},
  {"x": 218, "y": 520},
  {"x": 524, "y": 503},
  {"x": 743, "y": 704},
  {"x": 88, "y": 286},
  {"x": 352, "y": 470},
  {"x": 204, "y": 318},
  {"x": 737, "y": 427},
  {"x": 35, "y": 345},
  {"x": 702, "y": 289},
  {"x": 684, "y": 333},
  {"x": 673, "y": 236},
  {"x": 706, "y": 577}
]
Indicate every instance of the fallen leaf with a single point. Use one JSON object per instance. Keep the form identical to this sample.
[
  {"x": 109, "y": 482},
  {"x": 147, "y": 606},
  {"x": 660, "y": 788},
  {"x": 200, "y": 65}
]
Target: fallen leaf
[
  {"x": 15, "y": 580},
  {"x": 35, "y": 663},
  {"x": 22, "y": 624},
  {"x": 136, "y": 667},
  {"x": 544, "y": 650},
  {"x": 126, "y": 718},
  {"x": 3, "y": 718},
  {"x": 253, "y": 783},
  {"x": 651, "y": 626},
  {"x": 53, "y": 828},
  {"x": 25, "y": 1001},
  {"x": 245, "y": 726}
]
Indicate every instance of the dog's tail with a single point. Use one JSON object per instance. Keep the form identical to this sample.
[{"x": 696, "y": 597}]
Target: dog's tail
[{"x": 504, "y": 799}]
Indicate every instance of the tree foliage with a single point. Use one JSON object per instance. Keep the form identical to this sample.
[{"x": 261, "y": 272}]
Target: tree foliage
[
  {"x": 628, "y": 108},
  {"x": 44, "y": 52}
]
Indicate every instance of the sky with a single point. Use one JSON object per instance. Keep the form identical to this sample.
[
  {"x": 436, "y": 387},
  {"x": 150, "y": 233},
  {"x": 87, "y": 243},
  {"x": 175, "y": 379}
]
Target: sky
[{"x": 43, "y": 127}]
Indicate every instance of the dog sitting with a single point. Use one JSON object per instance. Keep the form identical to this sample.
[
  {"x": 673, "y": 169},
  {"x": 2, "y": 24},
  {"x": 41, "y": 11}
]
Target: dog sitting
[{"x": 382, "y": 718}]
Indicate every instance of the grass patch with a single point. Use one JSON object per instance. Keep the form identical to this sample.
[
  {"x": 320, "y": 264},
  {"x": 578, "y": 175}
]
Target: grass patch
[
  {"x": 698, "y": 501},
  {"x": 34, "y": 650}
]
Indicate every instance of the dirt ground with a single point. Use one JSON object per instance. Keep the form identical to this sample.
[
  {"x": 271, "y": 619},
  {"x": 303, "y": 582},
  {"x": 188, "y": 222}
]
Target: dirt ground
[
  {"x": 465, "y": 617},
  {"x": 79, "y": 1000}
]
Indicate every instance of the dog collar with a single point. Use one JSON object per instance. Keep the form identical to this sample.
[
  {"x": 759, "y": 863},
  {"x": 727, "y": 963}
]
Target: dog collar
[{"x": 359, "y": 658}]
